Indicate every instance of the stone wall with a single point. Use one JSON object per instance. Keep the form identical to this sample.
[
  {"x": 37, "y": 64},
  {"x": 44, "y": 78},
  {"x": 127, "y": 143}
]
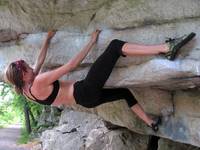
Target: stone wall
[{"x": 162, "y": 87}]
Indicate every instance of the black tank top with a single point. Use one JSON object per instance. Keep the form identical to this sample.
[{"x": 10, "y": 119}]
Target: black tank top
[{"x": 50, "y": 99}]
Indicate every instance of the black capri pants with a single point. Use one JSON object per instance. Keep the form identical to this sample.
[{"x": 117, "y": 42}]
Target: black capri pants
[{"x": 90, "y": 92}]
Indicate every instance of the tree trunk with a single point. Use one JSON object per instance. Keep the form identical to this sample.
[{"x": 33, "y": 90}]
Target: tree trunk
[{"x": 27, "y": 118}]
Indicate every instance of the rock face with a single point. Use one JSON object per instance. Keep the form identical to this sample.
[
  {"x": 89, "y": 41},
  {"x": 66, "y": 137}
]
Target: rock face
[
  {"x": 162, "y": 87},
  {"x": 83, "y": 131},
  {"x": 164, "y": 144}
]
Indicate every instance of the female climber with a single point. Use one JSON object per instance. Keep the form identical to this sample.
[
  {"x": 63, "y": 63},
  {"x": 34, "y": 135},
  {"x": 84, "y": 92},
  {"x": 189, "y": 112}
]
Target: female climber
[{"x": 46, "y": 88}]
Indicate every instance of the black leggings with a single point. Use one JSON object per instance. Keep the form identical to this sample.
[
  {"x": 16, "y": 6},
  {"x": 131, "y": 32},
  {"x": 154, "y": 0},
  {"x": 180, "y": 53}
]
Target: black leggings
[{"x": 90, "y": 92}]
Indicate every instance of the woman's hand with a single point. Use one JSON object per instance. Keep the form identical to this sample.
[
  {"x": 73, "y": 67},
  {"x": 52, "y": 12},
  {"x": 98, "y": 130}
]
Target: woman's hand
[
  {"x": 95, "y": 35},
  {"x": 51, "y": 34}
]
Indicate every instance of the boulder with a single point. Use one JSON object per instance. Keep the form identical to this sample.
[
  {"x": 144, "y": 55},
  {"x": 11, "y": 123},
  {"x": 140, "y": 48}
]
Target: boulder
[{"x": 162, "y": 87}]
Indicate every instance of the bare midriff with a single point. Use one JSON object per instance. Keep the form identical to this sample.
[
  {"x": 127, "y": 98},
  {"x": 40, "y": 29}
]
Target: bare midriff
[{"x": 65, "y": 95}]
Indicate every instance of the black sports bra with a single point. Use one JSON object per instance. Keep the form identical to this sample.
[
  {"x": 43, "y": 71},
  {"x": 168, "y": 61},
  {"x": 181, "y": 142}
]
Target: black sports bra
[{"x": 49, "y": 100}]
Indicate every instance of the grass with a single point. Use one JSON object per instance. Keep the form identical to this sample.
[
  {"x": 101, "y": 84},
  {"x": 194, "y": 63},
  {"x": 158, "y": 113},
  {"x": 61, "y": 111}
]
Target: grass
[{"x": 24, "y": 137}]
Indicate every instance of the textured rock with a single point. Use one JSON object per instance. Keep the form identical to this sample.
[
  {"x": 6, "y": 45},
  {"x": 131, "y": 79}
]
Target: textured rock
[
  {"x": 164, "y": 144},
  {"x": 7, "y": 35},
  {"x": 102, "y": 139},
  {"x": 49, "y": 117},
  {"x": 145, "y": 72},
  {"x": 133, "y": 71},
  {"x": 79, "y": 130},
  {"x": 37, "y": 147},
  {"x": 162, "y": 87},
  {"x": 25, "y": 15}
]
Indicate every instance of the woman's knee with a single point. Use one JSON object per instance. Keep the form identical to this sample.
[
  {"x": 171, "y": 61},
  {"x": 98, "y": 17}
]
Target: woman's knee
[
  {"x": 130, "y": 98},
  {"x": 132, "y": 103},
  {"x": 114, "y": 42},
  {"x": 126, "y": 92},
  {"x": 117, "y": 45}
]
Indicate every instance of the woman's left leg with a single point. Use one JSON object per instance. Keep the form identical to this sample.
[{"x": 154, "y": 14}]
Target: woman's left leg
[
  {"x": 114, "y": 94},
  {"x": 99, "y": 72},
  {"x": 169, "y": 48},
  {"x": 103, "y": 66},
  {"x": 131, "y": 49}
]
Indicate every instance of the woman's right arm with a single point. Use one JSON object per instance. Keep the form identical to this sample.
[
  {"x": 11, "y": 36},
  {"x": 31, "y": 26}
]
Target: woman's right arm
[{"x": 43, "y": 52}]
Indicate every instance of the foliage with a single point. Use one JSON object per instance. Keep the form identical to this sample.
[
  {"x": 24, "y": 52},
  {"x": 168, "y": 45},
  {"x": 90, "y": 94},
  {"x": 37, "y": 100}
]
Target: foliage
[
  {"x": 7, "y": 114},
  {"x": 24, "y": 137},
  {"x": 12, "y": 103},
  {"x": 12, "y": 109}
]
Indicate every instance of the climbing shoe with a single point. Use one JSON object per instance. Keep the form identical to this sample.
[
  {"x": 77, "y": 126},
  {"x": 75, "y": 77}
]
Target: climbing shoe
[
  {"x": 156, "y": 123},
  {"x": 176, "y": 43}
]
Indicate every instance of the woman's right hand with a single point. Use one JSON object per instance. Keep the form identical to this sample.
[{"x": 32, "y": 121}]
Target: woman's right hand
[{"x": 95, "y": 35}]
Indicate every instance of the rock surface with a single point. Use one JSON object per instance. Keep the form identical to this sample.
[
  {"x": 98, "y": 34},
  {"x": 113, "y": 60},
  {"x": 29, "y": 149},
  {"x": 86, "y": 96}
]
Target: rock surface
[
  {"x": 83, "y": 131},
  {"x": 164, "y": 144},
  {"x": 161, "y": 86}
]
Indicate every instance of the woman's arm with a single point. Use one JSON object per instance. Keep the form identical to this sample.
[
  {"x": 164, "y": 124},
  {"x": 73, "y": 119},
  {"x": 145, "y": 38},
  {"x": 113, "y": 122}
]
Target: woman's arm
[
  {"x": 43, "y": 52},
  {"x": 51, "y": 76},
  {"x": 75, "y": 62}
]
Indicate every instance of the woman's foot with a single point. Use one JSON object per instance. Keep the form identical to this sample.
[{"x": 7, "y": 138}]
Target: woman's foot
[
  {"x": 176, "y": 43},
  {"x": 156, "y": 123}
]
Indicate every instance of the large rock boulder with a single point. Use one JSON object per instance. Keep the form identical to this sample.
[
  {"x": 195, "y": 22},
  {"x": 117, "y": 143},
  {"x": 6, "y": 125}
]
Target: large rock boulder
[
  {"x": 34, "y": 16},
  {"x": 162, "y": 87},
  {"x": 83, "y": 131}
]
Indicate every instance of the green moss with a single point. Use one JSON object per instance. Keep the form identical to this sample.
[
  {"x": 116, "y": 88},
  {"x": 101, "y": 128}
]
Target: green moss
[{"x": 24, "y": 137}]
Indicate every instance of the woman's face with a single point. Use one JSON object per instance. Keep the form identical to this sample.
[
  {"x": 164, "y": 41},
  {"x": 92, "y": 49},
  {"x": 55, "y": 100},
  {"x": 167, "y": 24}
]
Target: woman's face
[{"x": 28, "y": 73}]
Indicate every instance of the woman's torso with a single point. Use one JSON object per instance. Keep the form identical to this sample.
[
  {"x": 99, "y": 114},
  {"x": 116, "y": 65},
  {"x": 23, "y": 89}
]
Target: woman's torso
[{"x": 64, "y": 96}]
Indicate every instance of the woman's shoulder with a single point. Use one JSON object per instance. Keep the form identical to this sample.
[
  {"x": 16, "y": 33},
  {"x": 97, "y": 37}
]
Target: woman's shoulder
[
  {"x": 40, "y": 79},
  {"x": 38, "y": 83}
]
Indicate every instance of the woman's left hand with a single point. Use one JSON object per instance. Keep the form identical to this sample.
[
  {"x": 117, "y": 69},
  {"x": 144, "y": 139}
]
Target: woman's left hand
[
  {"x": 95, "y": 35},
  {"x": 51, "y": 34}
]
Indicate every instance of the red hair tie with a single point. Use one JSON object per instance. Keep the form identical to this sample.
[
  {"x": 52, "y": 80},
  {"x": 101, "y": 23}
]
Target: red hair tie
[{"x": 19, "y": 64}]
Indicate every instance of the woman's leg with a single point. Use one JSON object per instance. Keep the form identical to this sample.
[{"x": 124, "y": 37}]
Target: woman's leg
[
  {"x": 138, "y": 110},
  {"x": 87, "y": 92},
  {"x": 109, "y": 95},
  {"x": 103, "y": 66},
  {"x": 169, "y": 48},
  {"x": 131, "y": 49}
]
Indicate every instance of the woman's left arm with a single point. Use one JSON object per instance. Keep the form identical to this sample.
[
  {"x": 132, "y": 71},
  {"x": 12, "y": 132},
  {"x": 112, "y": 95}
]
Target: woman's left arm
[
  {"x": 77, "y": 59},
  {"x": 43, "y": 52}
]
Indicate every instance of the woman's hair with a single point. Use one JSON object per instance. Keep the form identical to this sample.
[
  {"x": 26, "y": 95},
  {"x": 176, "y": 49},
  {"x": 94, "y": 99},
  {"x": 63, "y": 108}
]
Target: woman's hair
[{"x": 14, "y": 75}]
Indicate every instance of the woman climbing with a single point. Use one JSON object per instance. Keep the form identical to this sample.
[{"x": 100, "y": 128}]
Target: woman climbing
[{"x": 46, "y": 88}]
